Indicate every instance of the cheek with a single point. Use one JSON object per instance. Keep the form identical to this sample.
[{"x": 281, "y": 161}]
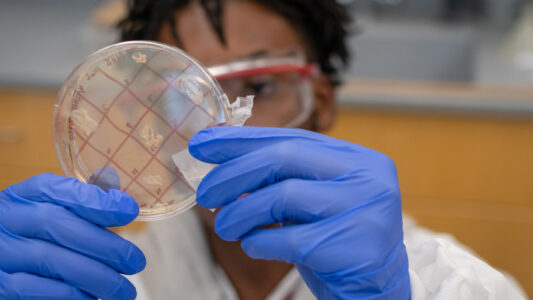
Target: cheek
[
  {"x": 325, "y": 106},
  {"x": 310, "y": 123}
]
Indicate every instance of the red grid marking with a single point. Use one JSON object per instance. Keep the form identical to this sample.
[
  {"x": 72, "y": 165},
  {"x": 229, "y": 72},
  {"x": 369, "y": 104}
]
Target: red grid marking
[
  {"x": 119, "y": 147},
  {"x": 174, "y": 130},
  {"x": 153, "y": 156},
  {"x": 124, "y": 88},
  {"x": 149, "y": 108},
  {"x": 118, "y": 165},
  {"x": 173, "y": 127},
  {"x": 130, "y": 135},
  {"x": 122, "y": 131},
  {"x": 199, "y": 106},
  {"x": 104, "y": 113},
  {"x": 170, "y": 83},
  {"x": 159, "y": 75}
]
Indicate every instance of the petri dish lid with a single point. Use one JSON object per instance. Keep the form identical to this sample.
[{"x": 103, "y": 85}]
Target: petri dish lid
[{"x": 124, "y": 111}]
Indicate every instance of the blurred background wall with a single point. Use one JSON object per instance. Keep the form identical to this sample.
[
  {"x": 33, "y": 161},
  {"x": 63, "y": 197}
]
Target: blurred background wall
[{"x": 444, "y": 87}]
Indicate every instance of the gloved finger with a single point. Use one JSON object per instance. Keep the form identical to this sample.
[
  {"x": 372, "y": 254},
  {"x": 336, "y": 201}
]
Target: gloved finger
[
  {"x": 29, "y": 286},
  {"x": 283, "y": 244},
  {"x": 309, "y": 244},
  {"x": 105, "y": 208},
  {"x": 53, "y": 223},
  {"x": 49, "y": 260},
  {"x": 222, "y": 143},
  {"x": 270, "y": 164},
  {"x": 106, "y": 178},
  {"x": 292, "y": 200}
]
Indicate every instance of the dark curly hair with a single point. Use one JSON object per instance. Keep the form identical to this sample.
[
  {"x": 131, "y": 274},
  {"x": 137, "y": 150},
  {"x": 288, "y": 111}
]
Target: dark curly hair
[{"x": 323, "y": 23}]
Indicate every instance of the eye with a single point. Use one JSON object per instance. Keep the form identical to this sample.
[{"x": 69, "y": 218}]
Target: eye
[{"x": 262, "y": 87}]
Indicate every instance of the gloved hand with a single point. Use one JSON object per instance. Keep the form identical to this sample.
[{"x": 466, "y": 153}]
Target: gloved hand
[
  {"x": 53, "y": 245},
  {"x": 339, "y": 205}
]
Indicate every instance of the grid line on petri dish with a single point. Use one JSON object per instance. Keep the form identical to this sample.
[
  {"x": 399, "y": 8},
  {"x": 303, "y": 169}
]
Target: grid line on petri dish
[
  {"x": 124, "y": 89},
  {"x": 150, "y": 109},
  {"x": 159, "y": 75},
  {"x": 174, "y": 129},
  {"x": 116, "y": 164},
  {"x": 126, "y": 133},
  {"x": 200, "y": 106},
  {"x": 153, "y": 155},
  {"x": 168, "y": 85},
  {"x": 132, "y": 117},
  {"x": 78, "y": 95},
  {"x": 106, "y": 116},
  {"x": 170, "y": 82}
]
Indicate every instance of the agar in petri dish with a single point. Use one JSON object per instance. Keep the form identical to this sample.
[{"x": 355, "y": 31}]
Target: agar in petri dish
[{"x": 124, "y": 111}]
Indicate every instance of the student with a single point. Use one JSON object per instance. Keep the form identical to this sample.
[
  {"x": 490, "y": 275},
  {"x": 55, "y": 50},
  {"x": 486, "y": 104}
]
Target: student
[{"x": 339, "y": 203}]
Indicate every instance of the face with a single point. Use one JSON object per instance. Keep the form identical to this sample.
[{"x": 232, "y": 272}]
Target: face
[{"x": 250, "y": 30}]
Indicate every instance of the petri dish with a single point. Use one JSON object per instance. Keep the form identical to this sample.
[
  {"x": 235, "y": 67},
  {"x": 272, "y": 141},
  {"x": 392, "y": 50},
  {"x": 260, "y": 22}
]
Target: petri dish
[{"x": 124, "y": 111}]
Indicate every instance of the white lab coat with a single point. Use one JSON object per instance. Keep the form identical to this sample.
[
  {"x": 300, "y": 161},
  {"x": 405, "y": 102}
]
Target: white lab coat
[{"x": 179, "y": 266}]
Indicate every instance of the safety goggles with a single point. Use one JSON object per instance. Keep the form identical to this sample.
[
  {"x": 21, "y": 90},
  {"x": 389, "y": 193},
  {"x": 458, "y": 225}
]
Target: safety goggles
[{"x": 281, "y": 85}]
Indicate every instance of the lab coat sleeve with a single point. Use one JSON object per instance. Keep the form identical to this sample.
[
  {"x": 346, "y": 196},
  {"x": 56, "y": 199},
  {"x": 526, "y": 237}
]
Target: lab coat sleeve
[{"x": 441, "y": 268}]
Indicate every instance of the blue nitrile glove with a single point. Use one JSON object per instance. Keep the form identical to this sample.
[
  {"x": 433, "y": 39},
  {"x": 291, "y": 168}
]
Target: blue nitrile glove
[
  {"x": 339, "y": 204},
  {"x": 53, "y": 244}
]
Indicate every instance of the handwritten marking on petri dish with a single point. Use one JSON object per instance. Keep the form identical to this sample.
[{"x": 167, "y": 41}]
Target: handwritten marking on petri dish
[
  {"x": 153, "y": 180},
  {"x": 113, "y": 59},
  {"x": 150, "y": 137},
  {"x": 139, "y": 57},
  {"x": 82, "y": 120}
]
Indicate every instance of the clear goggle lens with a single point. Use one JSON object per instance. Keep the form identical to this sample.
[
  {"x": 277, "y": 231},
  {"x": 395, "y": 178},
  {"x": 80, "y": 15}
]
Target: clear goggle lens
[{"x": 281, "y": 86}]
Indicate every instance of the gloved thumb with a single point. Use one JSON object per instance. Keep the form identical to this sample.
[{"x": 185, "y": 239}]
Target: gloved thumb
[{"x": 105, "y": 208}]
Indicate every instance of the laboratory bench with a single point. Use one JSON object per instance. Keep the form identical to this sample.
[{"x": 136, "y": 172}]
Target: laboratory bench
[{"x": 461, "y": 170}]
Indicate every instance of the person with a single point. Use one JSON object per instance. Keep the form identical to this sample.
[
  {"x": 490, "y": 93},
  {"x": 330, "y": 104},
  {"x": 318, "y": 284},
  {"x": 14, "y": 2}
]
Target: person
[{"x": 299, "y": 214}]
